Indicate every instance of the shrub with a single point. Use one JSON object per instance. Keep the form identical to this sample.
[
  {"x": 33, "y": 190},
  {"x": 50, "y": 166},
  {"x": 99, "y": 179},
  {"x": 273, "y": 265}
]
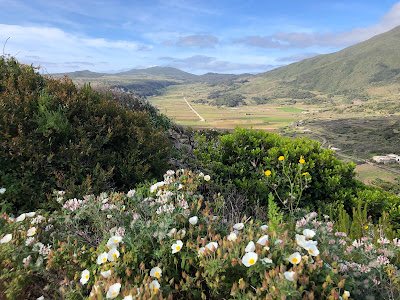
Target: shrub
[
  {"x": 162, "y": 241},
  {"x": 242, "y": 157},
  {"x": 56, "y": 136}
]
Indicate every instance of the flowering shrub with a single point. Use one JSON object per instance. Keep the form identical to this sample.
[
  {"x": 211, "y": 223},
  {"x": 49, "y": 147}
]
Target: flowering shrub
[{"x": 164, "y": 241}]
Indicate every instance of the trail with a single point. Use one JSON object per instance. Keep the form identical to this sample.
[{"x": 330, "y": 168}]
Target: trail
[{"x": 200, "y": 117}]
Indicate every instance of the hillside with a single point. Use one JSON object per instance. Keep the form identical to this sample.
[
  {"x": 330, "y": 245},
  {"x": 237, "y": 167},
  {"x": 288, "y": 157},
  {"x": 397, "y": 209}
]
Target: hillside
[{"x": 373, "y": 62}]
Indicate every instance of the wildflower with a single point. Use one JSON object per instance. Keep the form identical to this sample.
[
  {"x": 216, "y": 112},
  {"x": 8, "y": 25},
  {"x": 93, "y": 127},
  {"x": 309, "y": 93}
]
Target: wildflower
[
  {"x": 20, "y": 218},
  {"x": 309, "y": 233},
  {"x": 105, "y": 274},
  {"x": 131, "y": 193},
  {"x": 250, "y": 247},
  {"x": 281, "y": 158},
  {"x": 207, "y": 178},
  {"x": 113, "y": 291},
  {"x": 113, "y": 254},
  {"x": 232, "y": 236},
  {"x": 264, "y": 227},
  {"x": 154, "y": 286},
  {"x": 155, "y": 272},
  {"x": 177, "y": 246},
  {"x": 31, "y": 231},
  {"x": 193, "y": 220},
  {"x": 266, "y": 260},
  {"x": 249, "y": 259},
  {"x": 289, "y": 275},
  {"x": 305, "y": 174},
  {"x": 129, "y": 297},
  {"x": 212, "y": 246},
  {"x": 278, "y": 241},
  {"x": 26, "y": 260},
  {"x": 346, "y": 295},
  {"x": 268, "y": 173},
  {"x": 383, "y": 241},
  {"x": 84, "y": 276},
  {"x": 313, "y": 250},
  {"x": 201, "y": 251},
  {"x": 102, "y": 258},
  {"x": 262, "y": 240},
  {"x": 31, "y": 214},
  {"x": 295, "y": 258},
  {"x": 114, "y": 241},
  {"x": 302, "y": 161},
  {"x": 238, "y": 226},
  {"x": 2, "y": 190},
  {"x": 171, "y": 232},
  {"x": 6, "y": 239},
  {"x": 40, "y": 298}
]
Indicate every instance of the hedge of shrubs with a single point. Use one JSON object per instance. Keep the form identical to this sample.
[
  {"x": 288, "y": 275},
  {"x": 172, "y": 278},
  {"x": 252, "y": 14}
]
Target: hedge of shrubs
[{"x": 54, "y": 135}]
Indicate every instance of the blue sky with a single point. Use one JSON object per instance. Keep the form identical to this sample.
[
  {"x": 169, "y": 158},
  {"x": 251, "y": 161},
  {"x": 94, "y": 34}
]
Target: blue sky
[{"x": 224, "y": 36}]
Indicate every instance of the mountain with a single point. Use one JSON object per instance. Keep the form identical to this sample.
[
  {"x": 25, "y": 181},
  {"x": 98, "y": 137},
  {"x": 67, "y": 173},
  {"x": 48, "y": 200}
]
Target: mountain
[
  {"x": 166, "y": 72},
  {"x": 80, "y": 74},
  {"x": 372, "y": 62}
]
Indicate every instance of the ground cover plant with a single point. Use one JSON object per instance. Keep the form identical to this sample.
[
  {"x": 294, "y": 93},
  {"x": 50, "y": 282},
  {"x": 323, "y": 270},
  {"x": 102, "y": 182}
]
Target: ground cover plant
[{"x": 163, "y": 241}]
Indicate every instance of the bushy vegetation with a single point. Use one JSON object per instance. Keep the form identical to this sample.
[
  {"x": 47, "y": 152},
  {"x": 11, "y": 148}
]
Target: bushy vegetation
[
  {"x": 164, "y": 242},
  {"x": 55, "y": 135}
]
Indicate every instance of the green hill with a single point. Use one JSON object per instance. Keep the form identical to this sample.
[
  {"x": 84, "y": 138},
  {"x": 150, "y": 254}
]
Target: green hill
[
  {"x": 166, "y": 72},
  {"x": 80, "y": 74},
  {"x": 372, "y": 62}
]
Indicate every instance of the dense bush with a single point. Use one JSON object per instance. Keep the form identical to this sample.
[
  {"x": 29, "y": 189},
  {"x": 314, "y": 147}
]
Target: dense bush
[
  {"x": 163, "y": 242},
  {"x": 241, "y": 158},
  {"x": 56, "y": 136}
]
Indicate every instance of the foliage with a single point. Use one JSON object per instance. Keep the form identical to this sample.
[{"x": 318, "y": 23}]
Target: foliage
[
  {"x": 56, "y": 136},
  {"x": 235, "y": 157},
  {"x": 163, "y": 241}
]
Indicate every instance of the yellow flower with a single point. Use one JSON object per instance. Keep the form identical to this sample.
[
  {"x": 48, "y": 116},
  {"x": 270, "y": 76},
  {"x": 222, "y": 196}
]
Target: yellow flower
[
  {"x": 302, "y": 161},
  {"x": 281, "y": 157},
  {"x": 366, "y": 227},
  {"x": 305, "y": 173},
  {"x": 267, "y": 173}
]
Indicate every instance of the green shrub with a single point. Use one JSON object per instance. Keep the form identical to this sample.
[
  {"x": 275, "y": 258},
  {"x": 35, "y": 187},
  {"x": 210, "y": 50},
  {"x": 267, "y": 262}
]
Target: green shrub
[
  {"x": 241, "y": 158},
  {"x": 56, "y": 136}
]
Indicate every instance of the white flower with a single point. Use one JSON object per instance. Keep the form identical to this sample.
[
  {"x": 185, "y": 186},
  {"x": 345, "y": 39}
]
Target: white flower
[
  {"x": 264, "y": 227},
  {"x": 278, "y": 241},
  {"x": 249, "y": 259},
  {"x": 262, "y": 240},
  {"x": 20, "y": 218},
  {"x": 232, "y": 236},
  {"x": 201, "y": 174},
  {"x": 113, "y": 291},
  {"x": 177, "y": 246},
  {"x": 131, "y": 193},
  {"x": 31, "y": 231},
  {"x": 266, "y": 260},
  {"x": 29, "y": 241},
  {"x": 85, "y": 276},
  {"x": 346, "y": 294},
  {"x": 40, "y": 298},
  {"x": 171, "y": 232},
  {"x": 6, "y": 239},
  {"x": 313, "y": 250},
  {"x": 114, "y": 241},
  {"x": 129, "y": 297},
  {"x": 193, "y": 220},
  {"x": 289, "y": 275},
  {"x": 207, "y": 178},
  {"x": 201, "y": 251},
  {"x": 2, "y": 190},
  {"x": 155, "y": 272},
  {"x": 212, "y": 246},
  {"x": 295, "y": 258},
  {"x": 154, "y": 286},
  {"x": 308, "y": 244},
  {"x": 250, "y": 247},
  {"x": 309, "y": 233},
  {"x": 30, "y": 214},
  {"x": 238, "y": 226},
  {"x": 300, "y": 240},
  {"x": 113, "y": 254},
  {"x": 181, "y": 233},
  {"x": 105, "y": 274},
  {"x": 102, "y": 258}
]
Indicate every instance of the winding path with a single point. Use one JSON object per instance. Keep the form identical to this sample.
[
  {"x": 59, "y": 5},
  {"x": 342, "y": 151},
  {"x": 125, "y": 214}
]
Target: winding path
[{"x": 191, "y": 107}]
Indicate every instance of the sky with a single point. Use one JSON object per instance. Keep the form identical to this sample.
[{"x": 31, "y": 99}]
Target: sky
[{"x": 222, "y": 36}]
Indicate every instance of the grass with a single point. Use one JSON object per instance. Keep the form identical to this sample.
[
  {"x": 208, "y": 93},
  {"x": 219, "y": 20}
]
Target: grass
[
  {"x": 367, "y": 173},
  {"x": 290, "y": 109}
]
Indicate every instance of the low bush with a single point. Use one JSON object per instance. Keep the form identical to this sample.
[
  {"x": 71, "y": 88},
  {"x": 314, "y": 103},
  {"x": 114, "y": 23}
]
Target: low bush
[
  {"x": 56, "y": 136},
  {"x": 163, "y": 242}
]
